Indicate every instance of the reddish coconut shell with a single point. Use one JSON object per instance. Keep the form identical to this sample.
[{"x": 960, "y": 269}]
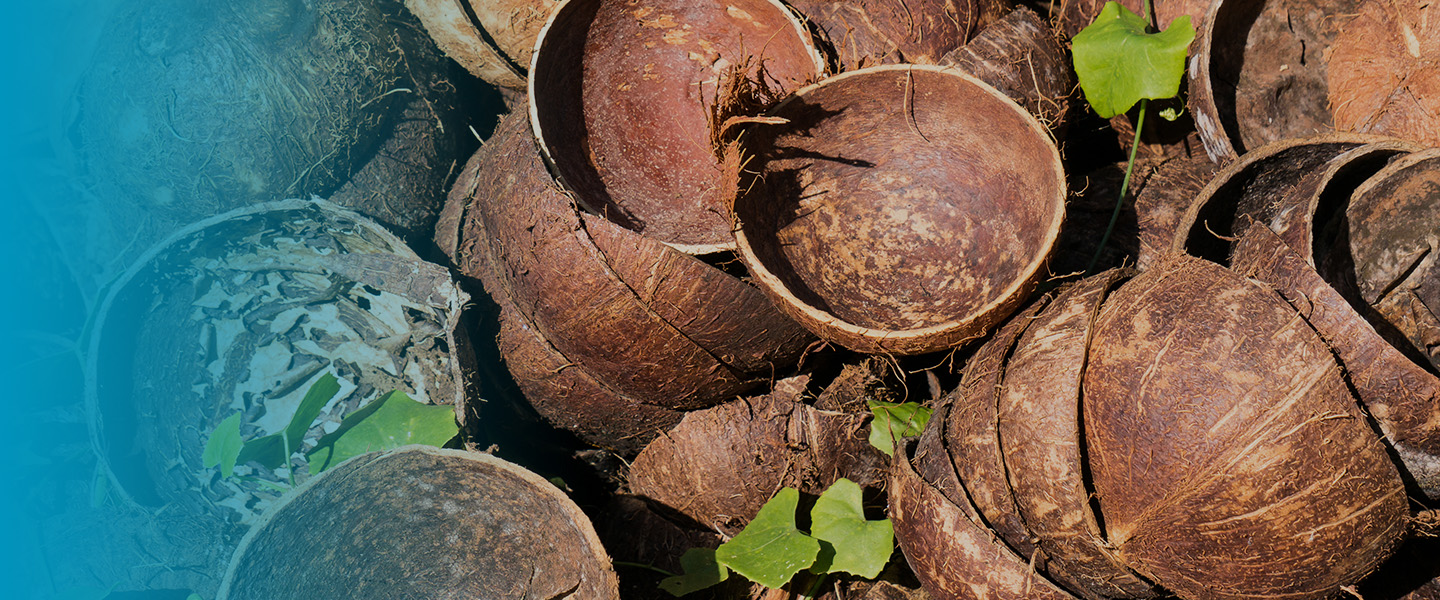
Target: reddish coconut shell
[
  {"x": 901, "y": 209},
  {"x": 865, "y": 33},
  {"x": 643, "y": 320},
  {"x": 422, "y": 522},
  {"x": 1258, "y": 74},
  {"x": 1161, "y": 204},
  {"x": 720, "y": 465},
  {"x": 1070, "y": 16},
  {"x": 1403, "y": 398},
  {"x": 460, "y": 37},
  {"x": 1038, "y": 426},
  {"x": 620, "y": 98},
  {"x": 1021, "y": 56},
  {"x": 1259, "y": 474},
  {"x": 1384, "y": 71},
  {"x": 954, "y": 555}
]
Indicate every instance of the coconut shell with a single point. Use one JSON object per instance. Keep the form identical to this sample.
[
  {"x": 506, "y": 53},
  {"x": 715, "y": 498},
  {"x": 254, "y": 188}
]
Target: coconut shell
[
  {"x": 1403, "y": 398},
  {"x": 971, "y": 435},
  {"x": 464, "y": 41},
  {"x": 1258, "y": 72},
  {"x": 228, "y": 105},
  {"x": 901, "y": 209},
  {"x": 638, "y": 535},
  {"x": 1038, "y": 428},
  {"x": 643, "y": 320},
  {"x": 1021, "y": 56},
  {"x": 865, "y": 33},
  {"x": 1384, "y": 71},
  {"x": 954, "y": 556},
  {"x": 1259, "y": 476},
  {"x": 1161, "y": 204},
  {"x": 720, "y": 465},
  {"x": 1394, "y": 244},
  {"x": 620, "y": 99},
  {"x": 1073, "y": 15},
  {"x": 427, "y": 523}
]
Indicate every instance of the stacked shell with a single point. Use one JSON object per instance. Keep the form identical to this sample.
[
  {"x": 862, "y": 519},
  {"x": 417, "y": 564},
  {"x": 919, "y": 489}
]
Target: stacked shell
[{"x": 1185, "y": 431}]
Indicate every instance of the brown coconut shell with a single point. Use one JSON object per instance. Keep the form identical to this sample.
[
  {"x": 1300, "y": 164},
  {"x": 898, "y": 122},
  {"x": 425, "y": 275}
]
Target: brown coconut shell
[
  {"x": 971, "y": 435},
  {"x": 643, "y": 320},
  {"x": 1403, "y": 398},
  {"x": 1260, "y": 476},
  {"x": 1394, "y": 246},
  {"x": 1383, "y": 71},
  {"x": 492, "y": 39},
  {"x": 423, "y": 522},
  {"x": 901, "y": 209},
  {"x": 954, "y": 555},
  {"x": 1162, "y": 202},
  {"x": 865, "y": 33},
  {"x": 636, "y": 534},
  {"x": 1038, "y": 427},
  {"x": 620, "y": 99},
  {"x": 1070, "y": 16},
  {"x": 1021, "y": 56},
  {"x": 153, "y": 389},
  {"x": 1258, "y": 74},
  {"x": 720, "y": 465}
]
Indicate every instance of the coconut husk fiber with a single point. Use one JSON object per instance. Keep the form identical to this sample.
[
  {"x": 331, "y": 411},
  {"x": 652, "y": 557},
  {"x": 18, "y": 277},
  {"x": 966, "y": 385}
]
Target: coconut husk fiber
[
  {"x": 865, "y": 33},
  {"x": 422, "y": 522}
]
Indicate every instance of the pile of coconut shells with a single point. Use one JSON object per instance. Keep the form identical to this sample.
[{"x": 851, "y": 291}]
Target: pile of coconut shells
[{"x": 705, "y": 237}]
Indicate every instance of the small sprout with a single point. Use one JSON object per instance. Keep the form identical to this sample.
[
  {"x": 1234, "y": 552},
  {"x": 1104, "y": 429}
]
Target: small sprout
[
  {"x": 1170, "y": 114},
  {"x": 394, "y": 420},
  {"x": 895, "y": 421},
  {"x": 1120, "y": 62},
  {"x": 701, "y": 571},
  {"x": 274, "y": 450},
  {"x": 223, "y": 447}
]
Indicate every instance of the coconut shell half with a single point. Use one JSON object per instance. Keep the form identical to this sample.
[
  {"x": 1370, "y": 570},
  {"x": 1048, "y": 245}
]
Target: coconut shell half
[
  {"x": 865, "y": 33},
  {"x": 421, "y": 522},
  {"x": 620, "y": 99},
  {"x": 899, "y": 209},
  {"x": 1228, "y": 456},
  {"x": 1021, "y": 56}
]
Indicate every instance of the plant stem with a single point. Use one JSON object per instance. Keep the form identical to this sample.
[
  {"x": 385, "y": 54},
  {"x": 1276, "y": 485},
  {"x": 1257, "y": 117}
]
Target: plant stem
[
  {"x": 1124, "y": 185},
  {"x": 621, "y": 563},
  {"x": 815, "y": 587}
]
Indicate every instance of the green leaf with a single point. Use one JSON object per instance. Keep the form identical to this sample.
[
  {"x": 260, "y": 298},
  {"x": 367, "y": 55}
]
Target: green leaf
[
  {"x": 848, "y": 542},
  {"x": 194, "y": 597},
  {"x": 274, "y": 449},
  {"x": 223, "y": 447},
  {"x": 701, "y": 571},
  {"x": 771, "y": 550},
  {"x": 1119, "y": 62},
  {"x": 894, "y": 421},
  {"x": 392, "y": 421}
]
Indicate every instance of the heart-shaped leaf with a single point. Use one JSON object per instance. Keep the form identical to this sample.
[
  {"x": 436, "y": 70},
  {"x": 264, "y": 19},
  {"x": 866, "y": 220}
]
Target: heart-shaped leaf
[
  {"x": 894, "y": 421},
  {"x": 848, "y": 542},
  {"x": 223, "y": 447},
  {"x": 1119, "y": 62},
  {"x": 393, "y": 421},
  {"x": 771, "y": 550}
]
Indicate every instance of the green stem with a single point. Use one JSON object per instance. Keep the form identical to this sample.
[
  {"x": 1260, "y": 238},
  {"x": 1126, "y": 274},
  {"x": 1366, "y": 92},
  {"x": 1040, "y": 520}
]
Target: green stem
[
  {"x": 1124, "y": 186},
  {"x": 621, "y": 563},
  {"x": 815, "y": 587}
]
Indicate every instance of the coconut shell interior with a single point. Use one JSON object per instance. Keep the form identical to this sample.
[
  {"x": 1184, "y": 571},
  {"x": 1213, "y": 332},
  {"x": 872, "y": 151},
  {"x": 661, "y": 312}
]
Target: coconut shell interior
[
  {"x": 1251, "y": 440},
  {"x": 420, "y": 522},
  {"x": 865, "y": 33},
  {"x": 620, "y": 99},
  {"x": 900, "y": 209}
]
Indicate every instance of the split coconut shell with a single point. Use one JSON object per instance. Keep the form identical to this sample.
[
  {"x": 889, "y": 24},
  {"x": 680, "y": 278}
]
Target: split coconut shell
[
  {"x": 1259, "y": 72},
  {"x": 1383, "y": 71},
  {"x": 899, "y": 209},
  {"x": 1021, "y": 56},
  {"x": 1260, "y": 475},
  {"x": 621, "y": 96},
  {"x": 493, "y": 39},
  {"x": 422, "y": 522},
  {"x": 231, "y": 104},
  {"x": 642, "y": 321}
]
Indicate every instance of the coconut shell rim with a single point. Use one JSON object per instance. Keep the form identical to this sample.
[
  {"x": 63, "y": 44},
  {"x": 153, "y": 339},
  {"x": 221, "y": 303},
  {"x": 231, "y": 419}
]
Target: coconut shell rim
[
  {"x": 93, "y": 415},
  {"x": 537, "y": 483},
  {"x": 533, "y": 112},
  {"x": 930, "y": 338}
]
